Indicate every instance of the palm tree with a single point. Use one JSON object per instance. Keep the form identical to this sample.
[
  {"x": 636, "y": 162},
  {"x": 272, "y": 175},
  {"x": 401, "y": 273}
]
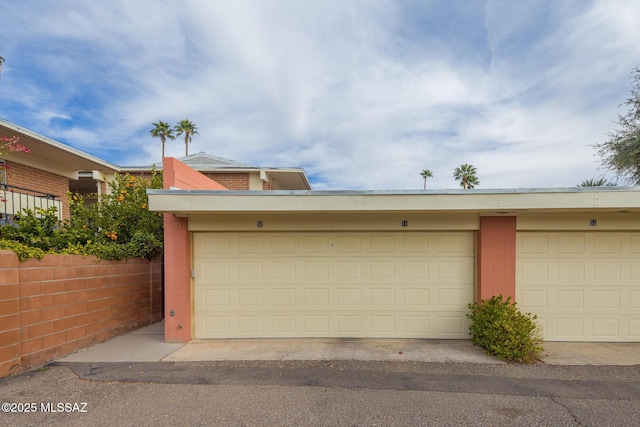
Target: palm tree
[
  {"x": 426, "y": 173},
  {"x": 163, "y": 131},
  {"x": 599, "y": 182},
  {"x": 189, "y": 129},
  {"x": 466, "y": 174}
]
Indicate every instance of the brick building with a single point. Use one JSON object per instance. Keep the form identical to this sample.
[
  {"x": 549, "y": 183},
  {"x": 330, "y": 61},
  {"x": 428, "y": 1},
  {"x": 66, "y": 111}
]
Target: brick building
[
  {"x": 43, "y": 177},
  {"x": 234, "y": 175}
]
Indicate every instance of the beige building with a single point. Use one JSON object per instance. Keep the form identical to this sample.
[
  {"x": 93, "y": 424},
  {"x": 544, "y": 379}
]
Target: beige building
[{"x": 401, "y": 263}]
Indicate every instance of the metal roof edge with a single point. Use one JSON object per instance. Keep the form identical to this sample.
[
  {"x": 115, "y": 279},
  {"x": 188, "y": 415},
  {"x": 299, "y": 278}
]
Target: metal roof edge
[
  {"x": 566, "y": 190},
  {"x": 58, "y": 144}
]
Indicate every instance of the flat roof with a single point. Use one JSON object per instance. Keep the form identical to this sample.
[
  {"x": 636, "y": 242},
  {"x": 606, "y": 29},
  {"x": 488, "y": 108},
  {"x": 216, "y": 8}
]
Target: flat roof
[{"x": 183, "y": 202}]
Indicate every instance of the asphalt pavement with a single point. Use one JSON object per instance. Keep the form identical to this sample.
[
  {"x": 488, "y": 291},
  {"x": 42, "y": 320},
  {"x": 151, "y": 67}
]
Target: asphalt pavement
[{"x": 138, "y": 379}]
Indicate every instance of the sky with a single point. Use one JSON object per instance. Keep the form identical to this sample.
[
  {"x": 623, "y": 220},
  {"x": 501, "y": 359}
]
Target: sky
[{"x": 362, "y": 94}]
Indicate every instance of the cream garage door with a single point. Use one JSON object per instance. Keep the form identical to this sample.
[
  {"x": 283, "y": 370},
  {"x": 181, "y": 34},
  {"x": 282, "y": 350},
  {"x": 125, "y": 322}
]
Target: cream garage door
[
  {"x": 584, "y": 286},
  {"x": 407, "y": 284}
]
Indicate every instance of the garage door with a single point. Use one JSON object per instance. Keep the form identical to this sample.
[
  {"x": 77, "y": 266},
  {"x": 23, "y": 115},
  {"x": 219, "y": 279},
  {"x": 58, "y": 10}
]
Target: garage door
[
  {"x": 584, "y": 286},
  {"x": 260, "y": 285}
]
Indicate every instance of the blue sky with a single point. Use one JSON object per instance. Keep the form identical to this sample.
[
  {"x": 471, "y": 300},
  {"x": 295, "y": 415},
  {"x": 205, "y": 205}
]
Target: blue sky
[{"x": 363, "y": 94}]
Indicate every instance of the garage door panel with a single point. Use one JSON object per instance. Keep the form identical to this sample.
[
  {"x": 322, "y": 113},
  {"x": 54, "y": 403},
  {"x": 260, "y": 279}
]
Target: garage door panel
[
  {"x": 213, "y": 245},
  {"x": 572, "y": 270},
  {"x": 608, "y": 328},
  {"x": 452, "y": 271},
  {"x": 348, "y": 324},
  {"x": 213, "y": 298},
  {"x": 415, "y": 245},
  {"x": 283, "y": 324},
  {"x": 450, "y": 244},
  {"x": 315, "y": 271},
  {"x": 316, "y": 297},
  {"x": 332, "y": 284},
  {"x": 217, "y": 271},
  {"x": 571, "y": 244},
  {"x": 607, "y": 270},
  {"x": 249, "y": 245},
  {"x": 446, "y": 325},
  {"x": 418, "y": 270},
  {"x": 533, "y": 271},
  {"x": 416, "y": 297},
  {"x": 381, "y": 270},
  {"x": 349, "y": 297},
  {"x": 348, "y": 244},
  {"x": 249, "y": 270},
  {"x": 609, "y": 244},
  {"x": 607, "y": 299},
  {"x": 350, "y": 271},
  {"x": 315, "y": 245},
  {"x": 634, "y": 299},
  {"x": 531, "y": 244},
  {"x": 416, "y": 324},
  {"x": 569, "y": 300},
  {"x": 283, "y": 245},
  {"x": 634, "y": 328},
  {"x": 570, "y": 328},
  {"x": 592, "y": 296},
  {"x": 533, "y": 299},
  {"x": 219, "y": 325}
]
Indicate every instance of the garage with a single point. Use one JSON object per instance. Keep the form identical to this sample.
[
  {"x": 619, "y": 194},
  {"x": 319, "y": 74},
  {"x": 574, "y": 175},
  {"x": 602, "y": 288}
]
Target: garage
[
  {"x": 332, "y": 284},
  {"x": 396, "y": 263},
  {"x": 584, "y": 286}
]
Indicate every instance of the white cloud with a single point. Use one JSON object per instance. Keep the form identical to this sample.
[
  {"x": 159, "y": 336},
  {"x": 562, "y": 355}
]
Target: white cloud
[{"x": 350, "y": 90}]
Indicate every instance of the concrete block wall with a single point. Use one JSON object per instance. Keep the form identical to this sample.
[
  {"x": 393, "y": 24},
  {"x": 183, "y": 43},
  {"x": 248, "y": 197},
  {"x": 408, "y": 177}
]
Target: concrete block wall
[
  {"x": 62, "y": 303},
  {"x": 9, "y": 314}
]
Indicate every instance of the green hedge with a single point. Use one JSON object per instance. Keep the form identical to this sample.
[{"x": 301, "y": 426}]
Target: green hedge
[
  {"x": 502, "y": 330},
  {"x": 118, "y": 226}
]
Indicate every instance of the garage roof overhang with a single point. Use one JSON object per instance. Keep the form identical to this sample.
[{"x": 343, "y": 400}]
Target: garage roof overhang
[{"x": 488, "y": 202}]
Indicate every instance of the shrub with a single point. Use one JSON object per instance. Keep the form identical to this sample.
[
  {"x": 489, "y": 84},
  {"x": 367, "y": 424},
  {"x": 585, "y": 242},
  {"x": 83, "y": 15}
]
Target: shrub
[
  {"x": 23, "y": 251},
  {"x": 502, "y": 330},
  {"x": 119, "y": 226},
  {"x": 38, "y": 229}
]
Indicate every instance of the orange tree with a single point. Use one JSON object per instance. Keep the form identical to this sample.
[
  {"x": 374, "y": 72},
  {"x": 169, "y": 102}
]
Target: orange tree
[
  {"x": 120, "y": 223},
  {"x": 118, "y": 226}
]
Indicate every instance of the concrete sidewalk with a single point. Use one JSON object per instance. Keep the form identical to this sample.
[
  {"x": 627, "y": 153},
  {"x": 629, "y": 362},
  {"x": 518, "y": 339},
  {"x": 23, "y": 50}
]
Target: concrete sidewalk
[
  {"x": 142, "y": 345},
  {"x": 147, "y": 345}
]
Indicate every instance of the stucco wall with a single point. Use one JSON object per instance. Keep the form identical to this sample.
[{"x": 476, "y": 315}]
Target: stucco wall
[
  {"x": 496, "y": 257},
  {"x": 177, "y": 251}
]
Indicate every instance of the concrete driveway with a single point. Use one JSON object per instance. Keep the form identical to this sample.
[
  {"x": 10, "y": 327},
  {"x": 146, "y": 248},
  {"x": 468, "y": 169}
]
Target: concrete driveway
[{"x": 147, "y": 345}]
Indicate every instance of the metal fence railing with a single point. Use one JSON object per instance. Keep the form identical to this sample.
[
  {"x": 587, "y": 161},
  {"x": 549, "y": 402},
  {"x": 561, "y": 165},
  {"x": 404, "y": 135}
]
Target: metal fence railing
[{"x": 13, "y": 200}]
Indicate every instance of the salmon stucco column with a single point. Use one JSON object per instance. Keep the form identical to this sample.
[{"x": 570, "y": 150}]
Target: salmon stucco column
[
  {"x": 177, "y": 252},
  {"x": 496, "y": 259},
  {"x": 177, "y": 279}
]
